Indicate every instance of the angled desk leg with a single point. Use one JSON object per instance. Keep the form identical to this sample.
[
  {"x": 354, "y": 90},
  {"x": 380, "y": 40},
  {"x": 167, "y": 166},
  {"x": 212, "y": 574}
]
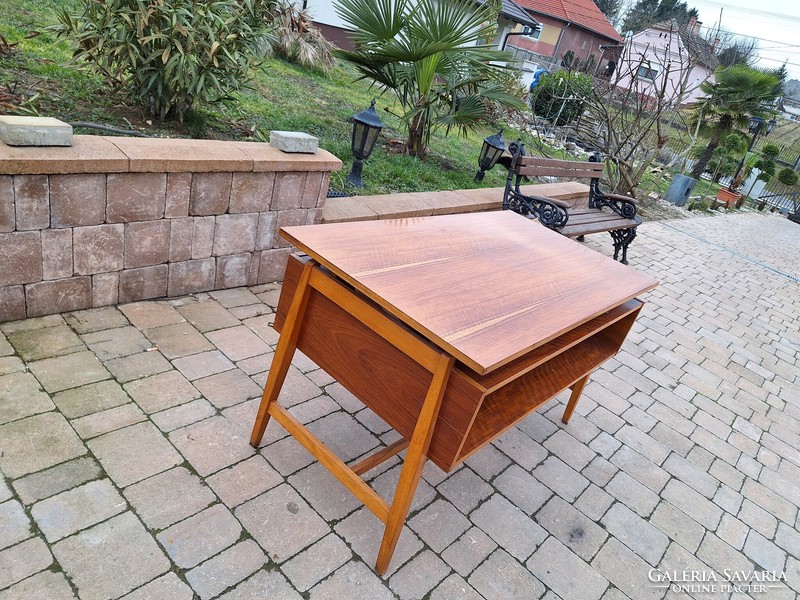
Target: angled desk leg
[
  {"x": 577, "y": 390},
  {"x": 437, "y": 363},
  {"x": 414, "y": 463},
  {"x": 284, "y": 352}
]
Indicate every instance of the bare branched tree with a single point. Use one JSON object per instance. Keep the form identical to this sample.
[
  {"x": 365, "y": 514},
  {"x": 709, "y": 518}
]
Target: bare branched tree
[
  {"x": 732, "y": 49},
  {"x": 632, "y": 112}
]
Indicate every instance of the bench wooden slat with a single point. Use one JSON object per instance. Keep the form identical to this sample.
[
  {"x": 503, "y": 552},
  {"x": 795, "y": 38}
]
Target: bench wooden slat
[
  {"x": 541, "y": 171},
  {"x": 597, "y": 217},
  {"x": 587, "y": 228},
  {"x": 527, "y": 161}
]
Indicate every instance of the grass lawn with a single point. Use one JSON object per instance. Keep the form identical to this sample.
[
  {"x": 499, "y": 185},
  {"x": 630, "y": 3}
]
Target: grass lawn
[{"x": 35, "y": 79}]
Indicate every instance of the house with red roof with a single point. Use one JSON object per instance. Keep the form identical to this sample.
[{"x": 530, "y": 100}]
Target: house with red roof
[{"x": 566, "y": 25}]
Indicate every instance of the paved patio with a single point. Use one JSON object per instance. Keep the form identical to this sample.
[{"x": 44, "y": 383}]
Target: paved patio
[{"x": 127, "y": 472}]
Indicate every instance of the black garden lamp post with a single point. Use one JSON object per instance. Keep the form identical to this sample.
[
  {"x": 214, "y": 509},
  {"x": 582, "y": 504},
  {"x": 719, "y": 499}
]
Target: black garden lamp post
[
  {"x": 366, "y": 127},
  {"x": 757, "y": 124},
  {"x": 493, "y": 147}
]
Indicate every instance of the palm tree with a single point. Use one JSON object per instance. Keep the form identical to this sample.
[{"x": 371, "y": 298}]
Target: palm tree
[
  {"x": 739, "y": 93},
  {"x": 432, "y": 55}
]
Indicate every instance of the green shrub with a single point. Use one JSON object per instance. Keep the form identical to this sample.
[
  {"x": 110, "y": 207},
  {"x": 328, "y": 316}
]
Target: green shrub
[
  {"x": 561, "y": 97},
  {"x": 788, "y": 177},
  {"x": 171, "y": 56}
]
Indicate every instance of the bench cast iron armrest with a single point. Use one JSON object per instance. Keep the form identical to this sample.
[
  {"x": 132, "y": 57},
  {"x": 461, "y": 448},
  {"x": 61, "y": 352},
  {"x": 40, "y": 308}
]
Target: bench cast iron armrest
[
  {"x": 624, "y": 206},
  {"x": 551, "y": 213}
]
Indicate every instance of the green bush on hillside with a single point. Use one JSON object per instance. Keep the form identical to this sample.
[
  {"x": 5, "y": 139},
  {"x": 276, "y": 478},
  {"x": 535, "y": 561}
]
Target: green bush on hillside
[
  {"x": 171, "y": 56},
  {"x": 561, "y": 97}
]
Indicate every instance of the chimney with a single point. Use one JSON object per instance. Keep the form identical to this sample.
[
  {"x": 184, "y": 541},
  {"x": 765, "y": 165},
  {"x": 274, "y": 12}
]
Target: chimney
[{"x": 715, "y": 44}]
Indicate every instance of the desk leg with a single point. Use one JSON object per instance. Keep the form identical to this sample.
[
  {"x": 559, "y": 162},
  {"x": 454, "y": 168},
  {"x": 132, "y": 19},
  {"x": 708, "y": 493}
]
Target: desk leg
[
  {"x": 283, "y": 353},
  {"x": 577, "y": 390},
  {"x": 414, "y": 462}
]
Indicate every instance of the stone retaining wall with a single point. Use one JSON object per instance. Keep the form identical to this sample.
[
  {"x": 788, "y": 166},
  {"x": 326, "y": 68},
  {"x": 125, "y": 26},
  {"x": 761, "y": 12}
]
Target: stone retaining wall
[{"x": 111, "y": 220}]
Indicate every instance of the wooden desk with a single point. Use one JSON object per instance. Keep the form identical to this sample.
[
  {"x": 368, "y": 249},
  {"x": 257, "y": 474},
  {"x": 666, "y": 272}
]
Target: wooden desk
[{"x": 451, "y": 329}]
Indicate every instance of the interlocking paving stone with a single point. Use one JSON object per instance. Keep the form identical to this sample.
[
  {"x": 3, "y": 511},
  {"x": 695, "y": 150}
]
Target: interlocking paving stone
[
  {"x": 169, "y": 497},
  {"x": 626, "y": 570},
  {"x": 72, "y": 370},
  {"x": 45, "y": 343},
  {"x": 322, "y": 490},
  {"x": 238, "y": 343},
  {"x": 161, "y": 391},
  {"x": 177, "y": 340},
  {"x": 363, "y": 532},
  {"x": 91, "y": 398},
  {"x": 203, "y": 364},
  {"x": 454, "y": 587},
  {"x": 565, "y": 573},
  {"x": 226, "y": 569},
  {"x": 579, "y": 533},
  {"x": 439, "y": 524},
  {"x": 166, "y": 586},
  {"x": 111, "y": 558},
  {"x": 201, "y": 536},
  {"x": 561, "y": 478},
  {"x": 23, "y": 560},
  {"x": 137, "y": 365},
  {"x": 37, "y": 442},
  {"x": 468, "y": 551},
  {"x": 417, "y": 577},
  {"x": 228, "y": 388},
  {"x": 281, "y": 522},
  {"x": 465, "y": 489},
  {"x": 519, "y": 486},
  {"x": 521, "y": 449},
  {"x": 500, "y": 576},
  {"x": 354, "y": 580},
  {"x": 639, "y": 535},
  {"x": 633, "y": 494},
  {"x": 14, "y": 524},
  {"x": 76, "y": 509},
  {"x": 21, "y": 396},
  {"x": 183, "y": 415},
  {"x": 147, "y": 315},
  {"x": 763, "y": 552},
  {"x": 134, "y": 453},
  {"x": 207, "y": 315},
  {"x": 115, "y": 343},
  {"x": 264, "y": 584},
  {"x": 54, "y": 480},
  {"x": 114, "y": 418},
  {"x": 211, "y": 445},
  {"x": 508, "y": 526},
  {"x": 95, "y": 319},
  {"x": 315, "y": 564},
  {"x": 42, "y": 586}
]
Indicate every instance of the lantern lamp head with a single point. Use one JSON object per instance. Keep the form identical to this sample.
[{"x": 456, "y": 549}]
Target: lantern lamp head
[
  {"x": 366, "y": 127},
  {"x": 493, "y": 147}
]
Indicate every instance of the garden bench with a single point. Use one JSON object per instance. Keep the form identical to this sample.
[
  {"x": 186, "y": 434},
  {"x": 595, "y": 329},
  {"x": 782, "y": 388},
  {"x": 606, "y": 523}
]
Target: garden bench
[{"x": 603, "y": 212}]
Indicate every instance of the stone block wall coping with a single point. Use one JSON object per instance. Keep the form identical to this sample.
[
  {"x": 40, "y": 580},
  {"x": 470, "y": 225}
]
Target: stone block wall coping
[
  {"x": 421, "y": 204},
  {"x": 106, "y": 154}
]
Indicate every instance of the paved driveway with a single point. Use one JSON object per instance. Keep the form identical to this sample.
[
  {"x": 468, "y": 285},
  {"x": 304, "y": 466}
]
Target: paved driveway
[{"x": 127, "y": 473}]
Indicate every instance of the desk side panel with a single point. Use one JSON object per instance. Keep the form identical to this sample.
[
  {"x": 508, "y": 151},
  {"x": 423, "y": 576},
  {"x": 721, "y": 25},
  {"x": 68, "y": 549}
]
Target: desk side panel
[{"x": 385, "y": 379}]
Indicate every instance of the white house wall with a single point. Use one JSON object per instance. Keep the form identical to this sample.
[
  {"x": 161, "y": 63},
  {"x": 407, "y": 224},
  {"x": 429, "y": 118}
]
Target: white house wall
[{"x": 661, "y": 48}]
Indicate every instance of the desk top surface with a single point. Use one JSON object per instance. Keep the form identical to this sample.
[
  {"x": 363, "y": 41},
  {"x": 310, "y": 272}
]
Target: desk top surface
[{"x": 485, "y": 287}]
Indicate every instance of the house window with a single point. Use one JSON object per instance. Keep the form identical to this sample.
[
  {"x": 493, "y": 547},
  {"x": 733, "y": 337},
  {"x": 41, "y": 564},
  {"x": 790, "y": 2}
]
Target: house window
[
  {"x": 531, "y": 33},
  {"x": 647, "y": 70}
]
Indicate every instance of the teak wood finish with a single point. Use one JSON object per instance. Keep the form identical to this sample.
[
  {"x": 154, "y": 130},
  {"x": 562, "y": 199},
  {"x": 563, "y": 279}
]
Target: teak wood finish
[{"x": 451, "y": 329}]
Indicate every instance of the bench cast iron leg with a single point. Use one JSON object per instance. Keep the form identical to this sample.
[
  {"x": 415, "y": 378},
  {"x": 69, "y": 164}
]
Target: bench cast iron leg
[{"x": 622, "y": 239}]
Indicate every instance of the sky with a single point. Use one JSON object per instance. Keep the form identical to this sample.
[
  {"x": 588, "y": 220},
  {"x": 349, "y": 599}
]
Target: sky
[{"x": 775, "y": 22}]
